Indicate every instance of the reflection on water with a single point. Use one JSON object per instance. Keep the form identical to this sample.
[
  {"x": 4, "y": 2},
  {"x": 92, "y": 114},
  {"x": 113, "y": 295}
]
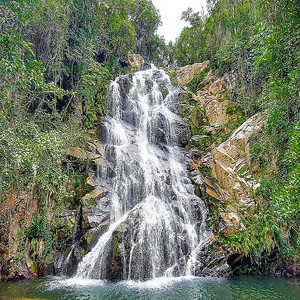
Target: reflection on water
[{"x": 159, "y": 288}]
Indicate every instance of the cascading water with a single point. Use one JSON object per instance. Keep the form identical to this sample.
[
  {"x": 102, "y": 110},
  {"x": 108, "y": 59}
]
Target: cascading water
[{"x": 156, "y": 222}]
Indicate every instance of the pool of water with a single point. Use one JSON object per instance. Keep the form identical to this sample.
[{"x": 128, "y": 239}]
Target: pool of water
[{"x": 161, "y": 288}]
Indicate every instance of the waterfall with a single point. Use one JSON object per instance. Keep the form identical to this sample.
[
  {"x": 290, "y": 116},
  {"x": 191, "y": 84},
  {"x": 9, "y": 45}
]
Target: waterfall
[{"x": 157, "y": 223}]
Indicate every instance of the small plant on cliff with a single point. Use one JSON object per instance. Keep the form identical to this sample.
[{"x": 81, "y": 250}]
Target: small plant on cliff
[
  {"x": 250, "y": 241},
  {"x": 194, "y": 85},
  {"x": 37, "y": 227}
]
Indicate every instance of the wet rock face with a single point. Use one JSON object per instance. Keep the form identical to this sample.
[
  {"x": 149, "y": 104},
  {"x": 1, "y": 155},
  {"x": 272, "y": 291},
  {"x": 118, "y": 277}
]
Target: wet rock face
[{"x": 129, "y": 253}]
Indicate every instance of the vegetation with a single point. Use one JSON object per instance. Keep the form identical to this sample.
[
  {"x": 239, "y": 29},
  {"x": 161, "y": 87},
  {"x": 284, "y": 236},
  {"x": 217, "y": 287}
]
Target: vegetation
[
  {"x": 57, "y": 59},
  {"x": 256, "y": 44}
]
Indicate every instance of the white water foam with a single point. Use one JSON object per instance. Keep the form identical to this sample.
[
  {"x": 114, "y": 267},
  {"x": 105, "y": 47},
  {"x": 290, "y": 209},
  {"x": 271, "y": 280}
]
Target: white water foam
[{"x": 149, "y": 186}]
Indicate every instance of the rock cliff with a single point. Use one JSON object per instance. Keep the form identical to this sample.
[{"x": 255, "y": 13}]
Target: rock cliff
[{"x": 221, "y": 165}]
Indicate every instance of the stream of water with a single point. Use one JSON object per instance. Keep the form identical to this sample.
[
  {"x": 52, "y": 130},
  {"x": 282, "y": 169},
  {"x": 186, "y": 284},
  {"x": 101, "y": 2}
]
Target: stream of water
[{"x": 152, "y": 199}]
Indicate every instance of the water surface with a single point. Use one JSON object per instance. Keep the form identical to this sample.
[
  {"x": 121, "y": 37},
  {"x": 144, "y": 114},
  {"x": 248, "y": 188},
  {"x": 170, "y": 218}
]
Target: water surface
[{"x": 160, "y": 288}]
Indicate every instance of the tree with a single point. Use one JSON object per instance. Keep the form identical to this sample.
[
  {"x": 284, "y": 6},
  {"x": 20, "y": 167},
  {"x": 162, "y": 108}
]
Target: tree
[{"x": 210, "y": 5}]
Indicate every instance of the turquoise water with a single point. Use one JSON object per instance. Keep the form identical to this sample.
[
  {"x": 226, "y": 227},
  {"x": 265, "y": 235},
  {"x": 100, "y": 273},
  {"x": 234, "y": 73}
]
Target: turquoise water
[{"x": 161, "y": 288}]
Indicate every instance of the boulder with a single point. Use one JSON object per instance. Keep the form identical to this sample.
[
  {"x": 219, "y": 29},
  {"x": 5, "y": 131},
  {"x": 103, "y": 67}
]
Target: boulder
[
  {"x": 187, "y": 73},
  {"x": 96, "y": 193},
  {"x": 135, "y": 62},
  {"x": 81, "y": 153},
  {"x": 217, "y": 86}
]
